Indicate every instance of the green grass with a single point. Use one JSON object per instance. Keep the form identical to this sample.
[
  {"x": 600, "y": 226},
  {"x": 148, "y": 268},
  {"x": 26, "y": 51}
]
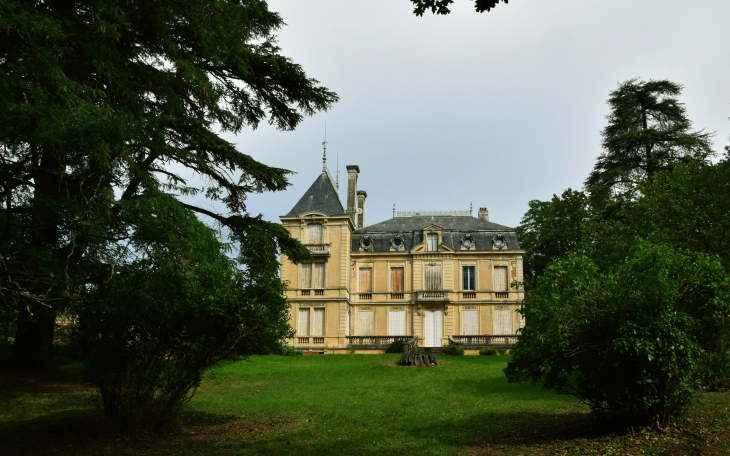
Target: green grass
[
  {"x": 363, "y": 405},
  {"x": 348, "y": 404}
]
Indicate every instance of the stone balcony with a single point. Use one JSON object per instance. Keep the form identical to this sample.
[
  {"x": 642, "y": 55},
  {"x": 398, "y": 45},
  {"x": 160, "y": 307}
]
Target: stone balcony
[
  {"x": 318, "y": 249},
  {"x": 432, "y": 296}
]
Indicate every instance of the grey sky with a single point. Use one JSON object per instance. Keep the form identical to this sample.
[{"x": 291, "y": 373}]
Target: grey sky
[{"x": 496, "y": 109}]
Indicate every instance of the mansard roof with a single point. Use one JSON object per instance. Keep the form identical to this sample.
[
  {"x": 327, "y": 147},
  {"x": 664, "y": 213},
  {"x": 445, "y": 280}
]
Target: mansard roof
[
  {"x": 453, "y": 228},
  {"x": 321, "y": 197}
]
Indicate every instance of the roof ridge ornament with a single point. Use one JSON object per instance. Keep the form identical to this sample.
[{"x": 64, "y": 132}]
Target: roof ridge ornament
[{"x": 431, "y": 213}]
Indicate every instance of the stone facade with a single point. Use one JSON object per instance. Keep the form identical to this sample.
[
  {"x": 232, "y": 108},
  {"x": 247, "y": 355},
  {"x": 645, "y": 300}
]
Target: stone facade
[{"x": 444, "y": 277}]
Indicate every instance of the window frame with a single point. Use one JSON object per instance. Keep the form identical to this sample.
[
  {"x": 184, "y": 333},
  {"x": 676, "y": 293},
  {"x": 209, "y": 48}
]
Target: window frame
[
  {"x": 464, "y": 269},
  {"x": 429, "y": 237}
]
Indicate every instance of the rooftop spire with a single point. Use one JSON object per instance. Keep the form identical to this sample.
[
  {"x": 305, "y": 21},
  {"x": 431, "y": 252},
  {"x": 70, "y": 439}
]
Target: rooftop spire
[{"x": 324, "y": 146}]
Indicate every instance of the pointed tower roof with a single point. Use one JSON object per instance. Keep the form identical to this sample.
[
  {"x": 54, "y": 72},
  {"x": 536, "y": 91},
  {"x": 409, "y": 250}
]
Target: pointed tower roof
[{"x": 321, "y": 197}]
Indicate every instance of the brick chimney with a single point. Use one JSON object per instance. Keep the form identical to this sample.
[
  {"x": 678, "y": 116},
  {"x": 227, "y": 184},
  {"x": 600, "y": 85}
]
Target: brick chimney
[
  {"x": 361, "y": 195},
  {"x": 483, "y": 214},
  {"x": 352, "y": 172}
]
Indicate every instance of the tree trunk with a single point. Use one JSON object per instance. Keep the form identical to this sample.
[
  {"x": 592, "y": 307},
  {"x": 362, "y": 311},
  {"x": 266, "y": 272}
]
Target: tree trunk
[{"x": 33, "y": 340}]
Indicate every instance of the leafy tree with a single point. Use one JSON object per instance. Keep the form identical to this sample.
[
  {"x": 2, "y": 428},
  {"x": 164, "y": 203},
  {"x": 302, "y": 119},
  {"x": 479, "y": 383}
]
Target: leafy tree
[
  {"x": 442, "y": 6},
  {"x": 648, "y": 132},
  {"x": 148, "y": 335},
  {"x": 105, "y": 102},
  {"x": 551, "y": 229},
  {"x": 629, "y": 342}
]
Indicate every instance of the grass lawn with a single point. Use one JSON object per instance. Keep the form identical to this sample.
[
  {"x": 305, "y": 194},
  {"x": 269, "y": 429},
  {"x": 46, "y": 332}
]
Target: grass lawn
[{"x": 348, "y": 404}]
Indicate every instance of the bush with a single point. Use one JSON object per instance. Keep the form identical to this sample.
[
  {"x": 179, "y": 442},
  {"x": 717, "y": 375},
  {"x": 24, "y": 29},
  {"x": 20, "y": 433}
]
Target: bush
[
  {"x": 286, "y": 350},
  {"x": 502, "y": 351},
  {"x": 397, "y": 346},
  {"x": 629, "y": 341},
  {"x": 488, "y": 351},
  {"x": 148, "y": 335},
  {"x": 453, "y": 350}
]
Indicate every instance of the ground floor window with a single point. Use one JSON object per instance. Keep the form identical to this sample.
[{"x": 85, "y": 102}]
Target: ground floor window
[
  {"x": 365, "y": 323},
  {"x": 470, "y": 322},
  {"x": 311, "y": 321},
  {"x": 397, "y": 323},
  {"x": 502, "y": 321}
]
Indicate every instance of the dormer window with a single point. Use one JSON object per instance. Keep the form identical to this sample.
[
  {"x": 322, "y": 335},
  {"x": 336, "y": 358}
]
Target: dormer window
[{"x": 432, "y": 244}]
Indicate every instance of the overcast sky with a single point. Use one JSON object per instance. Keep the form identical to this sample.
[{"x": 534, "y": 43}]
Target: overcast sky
[{"x": 497, "y": 108}]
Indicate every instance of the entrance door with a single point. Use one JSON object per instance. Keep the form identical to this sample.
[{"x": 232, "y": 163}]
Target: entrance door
[{"x": 433, "y": 328}]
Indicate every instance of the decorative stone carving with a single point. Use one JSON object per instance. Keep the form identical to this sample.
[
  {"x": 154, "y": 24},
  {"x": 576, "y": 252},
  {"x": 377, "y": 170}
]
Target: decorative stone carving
[
  {"x": 468, "y": 243},
  {"x": 397, "y": 243},
  {"x": 499, "y": 242},
  {"x": 366, "y": 244}
]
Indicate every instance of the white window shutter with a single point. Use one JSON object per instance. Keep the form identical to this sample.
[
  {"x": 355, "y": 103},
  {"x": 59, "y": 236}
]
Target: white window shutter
[
  {"x": 500, "y": 279},
  {"x": 469, "y": 322},
  {"x": 502, "y": 321},
  {"x": 314, "y": 233},
  {"x": 365, "y": 323},
  {"x": 318, "y": 328},
  {"x": 397, "y": 323},
  {"x": 303, "y": 322}
]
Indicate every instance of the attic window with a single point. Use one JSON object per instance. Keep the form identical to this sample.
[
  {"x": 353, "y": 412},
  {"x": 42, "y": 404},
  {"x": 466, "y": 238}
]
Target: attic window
[{"x": 432, "y": 242}]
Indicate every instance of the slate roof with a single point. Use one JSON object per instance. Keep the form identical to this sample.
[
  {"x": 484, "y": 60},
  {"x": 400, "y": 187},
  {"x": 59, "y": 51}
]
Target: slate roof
[
  {"x": 321, "y": 197},
  {"x": 454, "y": 228}
]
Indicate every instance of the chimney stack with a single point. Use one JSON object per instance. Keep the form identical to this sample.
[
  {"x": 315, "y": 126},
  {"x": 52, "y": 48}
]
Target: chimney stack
[
  {"x": 483, "y": 214},
  {"x": 361, "y": 195},
  {"x": 352, "y": 172}
]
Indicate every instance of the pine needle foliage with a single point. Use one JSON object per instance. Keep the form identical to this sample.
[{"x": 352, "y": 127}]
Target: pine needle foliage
[{"x": 104, "y": 102}]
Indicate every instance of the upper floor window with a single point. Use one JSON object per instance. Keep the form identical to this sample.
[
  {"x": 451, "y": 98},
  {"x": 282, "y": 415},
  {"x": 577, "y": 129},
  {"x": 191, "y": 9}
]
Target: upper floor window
[
  {"x": 312, "y": 275},
  {"x": 468, "y": 278},
  {"x": 432, "y": 242},
  {"x": 433, "y": 277},
  {"x": 314, "y": 233},
  {"x": 396, "y": 280},
  {"x": 500, "y": 279},
  {"x": 366, "y": 280}
]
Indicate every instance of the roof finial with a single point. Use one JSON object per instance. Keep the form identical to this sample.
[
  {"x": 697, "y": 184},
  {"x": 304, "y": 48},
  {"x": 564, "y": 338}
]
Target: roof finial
[
  {"x": 337, "y": 178},
  {"x": 470, "y": 208},
  {"x": 324, "y": 146},
  {"x": 393, "y": 209}
]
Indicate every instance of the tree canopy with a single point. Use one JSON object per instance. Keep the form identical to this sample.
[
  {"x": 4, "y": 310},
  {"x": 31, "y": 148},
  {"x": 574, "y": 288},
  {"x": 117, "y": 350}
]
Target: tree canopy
[
  {"x": 107, "y": 104},
  {"x": 442, "y": 6},
  {"x": 648, "y": 132}
]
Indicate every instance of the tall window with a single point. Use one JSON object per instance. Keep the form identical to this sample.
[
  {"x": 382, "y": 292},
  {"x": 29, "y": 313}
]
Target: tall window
[
  {"x": 396, "y": 280},
  {"x": 366, "y": 280},
  {"x": 303, "y": 322},
  {"x": 397, "y": 323},
  {"x": 312, "y": 275},
  {"x": 311, "y": 321},
  {"x": 500, "y": 278},
  {"x": 365, "y": 323},
  {"x": 468, "y": 276},
  {"x": 469, "y": 322},
  {"x": 314, "y": 233},
  {"x": 433, "y": 242},
  {"x": 433, "y": 278},
  {"x": 306, "y": 275}
]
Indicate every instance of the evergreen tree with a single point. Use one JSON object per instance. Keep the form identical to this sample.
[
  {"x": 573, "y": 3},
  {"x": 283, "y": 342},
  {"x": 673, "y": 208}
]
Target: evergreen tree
[
  {"x": 105, "y": 104},
  {"x": 648, "y": 132},
  {"x": 442, "y": 6}
]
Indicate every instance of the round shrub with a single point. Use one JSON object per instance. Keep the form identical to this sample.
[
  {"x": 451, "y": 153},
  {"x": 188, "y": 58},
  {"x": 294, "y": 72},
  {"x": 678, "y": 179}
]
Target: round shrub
[
  {"x": 453, "y": 350},
  {"x": 630, "y": 340},
  {"x": 488, "y": 351}
]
